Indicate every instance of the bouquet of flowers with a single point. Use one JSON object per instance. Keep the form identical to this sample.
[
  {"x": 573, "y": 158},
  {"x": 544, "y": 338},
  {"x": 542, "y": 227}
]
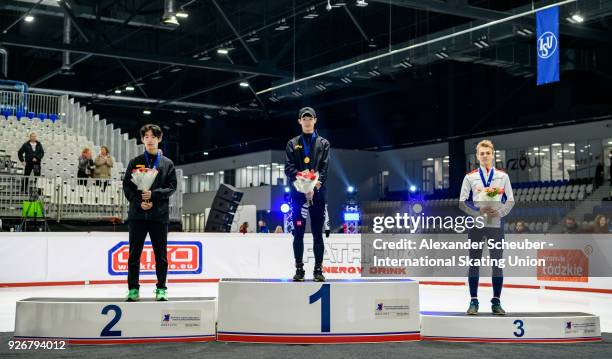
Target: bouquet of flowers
[
  {"x": 306, "y": 181},
  {"x": 143, "y": 178},
  {"x": 489, "y": 197}
]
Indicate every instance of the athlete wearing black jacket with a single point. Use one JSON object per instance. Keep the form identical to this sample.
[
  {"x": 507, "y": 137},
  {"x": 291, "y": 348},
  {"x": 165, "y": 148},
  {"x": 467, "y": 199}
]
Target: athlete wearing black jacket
[
  {"x": 149, "y": 212},
  {"x": 306, "y": 152}
]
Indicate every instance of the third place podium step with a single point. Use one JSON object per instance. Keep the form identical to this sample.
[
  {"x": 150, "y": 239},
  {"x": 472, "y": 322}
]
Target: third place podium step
[{"x": 543, "y": 327}]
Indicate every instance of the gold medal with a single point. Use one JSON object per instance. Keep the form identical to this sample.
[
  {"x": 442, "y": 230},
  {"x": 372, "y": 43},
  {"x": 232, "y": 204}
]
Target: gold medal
[{"x": 306, "y": 159}]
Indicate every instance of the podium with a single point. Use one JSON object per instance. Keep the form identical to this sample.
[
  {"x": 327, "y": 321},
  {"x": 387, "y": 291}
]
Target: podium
[
  {"x": 544, "y": 327},
  {"x": 336, "y": 311},
  {"x": 114, "y": 321}
]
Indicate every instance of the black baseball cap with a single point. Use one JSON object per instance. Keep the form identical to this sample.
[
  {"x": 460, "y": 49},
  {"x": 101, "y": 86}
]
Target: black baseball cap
[{"x": 307, "y": 111}]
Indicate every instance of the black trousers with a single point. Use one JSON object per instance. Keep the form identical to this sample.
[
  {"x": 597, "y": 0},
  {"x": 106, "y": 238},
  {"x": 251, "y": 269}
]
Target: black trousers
[
  {"x": 317, "y": 218},
  {"x": 29, "y": 167},
  {"x": 159, "y": 239},
  {"x": 479, "y": 235}
]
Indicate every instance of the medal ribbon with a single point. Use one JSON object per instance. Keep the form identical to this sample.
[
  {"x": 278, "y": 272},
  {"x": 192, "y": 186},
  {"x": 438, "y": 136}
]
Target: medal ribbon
[
  {"x": 155, "y": 163},
  {"x": 486, "y": 183}
]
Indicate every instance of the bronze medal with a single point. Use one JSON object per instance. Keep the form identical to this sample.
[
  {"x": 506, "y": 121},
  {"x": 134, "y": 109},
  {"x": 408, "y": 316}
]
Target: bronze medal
[{"x": 307, "y": 160}]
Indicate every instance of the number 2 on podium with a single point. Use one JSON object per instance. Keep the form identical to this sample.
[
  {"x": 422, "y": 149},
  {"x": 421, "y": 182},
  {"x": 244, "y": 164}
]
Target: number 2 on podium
[
  {"x": 323, "y": 294},
  {"x": 107, "y": 332}
]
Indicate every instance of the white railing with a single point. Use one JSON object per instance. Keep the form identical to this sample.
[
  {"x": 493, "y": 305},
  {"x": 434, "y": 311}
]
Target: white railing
[
  {"x": 71, "y": 199},
  {"x": 20, "y": 104}
]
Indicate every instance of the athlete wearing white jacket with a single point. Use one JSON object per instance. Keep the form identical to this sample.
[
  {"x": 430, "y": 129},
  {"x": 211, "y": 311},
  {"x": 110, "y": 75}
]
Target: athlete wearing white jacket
[{"x": 474, "y": 201}]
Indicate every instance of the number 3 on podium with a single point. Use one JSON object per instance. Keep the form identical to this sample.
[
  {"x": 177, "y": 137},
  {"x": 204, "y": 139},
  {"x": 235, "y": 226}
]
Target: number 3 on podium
[{"x": 323, "y": 294}]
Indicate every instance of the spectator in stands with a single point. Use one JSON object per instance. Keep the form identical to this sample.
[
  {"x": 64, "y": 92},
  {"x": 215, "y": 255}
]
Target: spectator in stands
[
  {"x": 244, "y": 228},
  {"x": 601, "y": 224},
  {"x": 149, "y": 212},
  {"x": 31, "y": 154},
  {"x": 599, "y": 174},
  {"x": 262, "y": 227},
  {"x": 103, "y": 163},
  {"x": 520, "y": 227},
  {"x": 586, "y": 227},
  {"x": 279, "y": 229},
  {"x": 570, "y": 225},
  {"x": 86, "y": 166}
]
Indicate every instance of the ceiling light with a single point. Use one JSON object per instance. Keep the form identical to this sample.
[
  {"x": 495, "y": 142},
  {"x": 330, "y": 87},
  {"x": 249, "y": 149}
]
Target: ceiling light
[
  {"x": 182, "y": 14},
  {"x": 244, "y": 84},
  {"x": 442, "y": 54},
  {"x": 117, "y": 91},
  {"x": 129, "y": 88},
  {"x": 282, "y": 25},
  {"x": 169, "y": 16},
  {"x": 29, "y": 18},
  {"x": 146, "y": 112},
  {"x": 374, "y": 73},
  {"x": 170, "y": 20},
  {"x": 361, "y": 3},
  {"x": 578, "y": 18},
  {"x": 524, "y": 31},
  {"x": 222, "y": 51},
  {"x": 252, "y": 37}
]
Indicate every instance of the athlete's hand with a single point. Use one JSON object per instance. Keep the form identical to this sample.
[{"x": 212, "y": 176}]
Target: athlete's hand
[
  {"x": 146, "y": 205},
  {"x": 309, "y": 195},
  {"x": 146, "y": 195}
]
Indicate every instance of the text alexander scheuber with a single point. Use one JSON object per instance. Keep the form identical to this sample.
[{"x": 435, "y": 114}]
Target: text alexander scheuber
[{"x": 462, "y": 261}]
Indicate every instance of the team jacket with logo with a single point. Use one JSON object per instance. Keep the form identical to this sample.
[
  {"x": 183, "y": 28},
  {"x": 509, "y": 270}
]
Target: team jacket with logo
[
  {"x": 472, "y": 186},
  {"x": 319, "y": 158}
]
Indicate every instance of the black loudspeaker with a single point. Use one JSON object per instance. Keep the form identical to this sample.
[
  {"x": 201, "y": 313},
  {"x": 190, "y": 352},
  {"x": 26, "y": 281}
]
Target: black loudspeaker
[
  {"x": 217, "y": 227},
  {"x": 222, "y": 211},
  {"x": 229, "y": 193},
  {"x": 223, "y": 205}
]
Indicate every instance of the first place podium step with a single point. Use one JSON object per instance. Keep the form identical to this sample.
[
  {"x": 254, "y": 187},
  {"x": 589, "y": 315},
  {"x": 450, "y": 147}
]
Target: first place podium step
[
  {"x": 114, "y": 321},
  {"x": 337, "y": 311}
]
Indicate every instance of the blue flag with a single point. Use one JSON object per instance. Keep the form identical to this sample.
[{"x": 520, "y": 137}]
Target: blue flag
[{"x": 547, "y": 29}]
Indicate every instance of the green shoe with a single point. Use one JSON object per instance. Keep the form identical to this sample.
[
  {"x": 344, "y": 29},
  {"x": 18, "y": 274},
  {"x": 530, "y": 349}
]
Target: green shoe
[
  {"x": 473, "y": 309},
  {"x": 497, "y": 309},
  {"x": 161, "y": 295},
  {"x": 133, "y": 296}
]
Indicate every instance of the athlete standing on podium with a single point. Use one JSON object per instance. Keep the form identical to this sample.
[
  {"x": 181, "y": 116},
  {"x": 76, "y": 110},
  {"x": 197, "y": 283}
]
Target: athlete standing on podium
[
  {"x": 149, "y": 212},
  {"x": 306, "y": 152},
  {"x": 474, "y": 184}
]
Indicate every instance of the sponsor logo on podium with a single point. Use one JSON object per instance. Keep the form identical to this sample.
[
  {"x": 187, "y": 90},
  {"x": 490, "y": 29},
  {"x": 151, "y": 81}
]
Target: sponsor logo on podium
[
  {"x": 563, "y": 265},
  {"x": 180, "y": 319},
  {"x": 580, "y": 328},
  {"x": 395, "y": 308},
  {"x": 183, "y": 258}
]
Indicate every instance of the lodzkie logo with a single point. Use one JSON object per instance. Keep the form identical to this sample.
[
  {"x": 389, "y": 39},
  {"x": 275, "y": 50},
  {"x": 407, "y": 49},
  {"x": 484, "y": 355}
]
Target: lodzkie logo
[
  {"x": 183, "y": 258},
  {"x": 547, "y": 45}
]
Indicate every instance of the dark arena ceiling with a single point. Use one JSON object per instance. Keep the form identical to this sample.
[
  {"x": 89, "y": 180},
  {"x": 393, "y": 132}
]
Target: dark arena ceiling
[{"x": 91, "y": 50}]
